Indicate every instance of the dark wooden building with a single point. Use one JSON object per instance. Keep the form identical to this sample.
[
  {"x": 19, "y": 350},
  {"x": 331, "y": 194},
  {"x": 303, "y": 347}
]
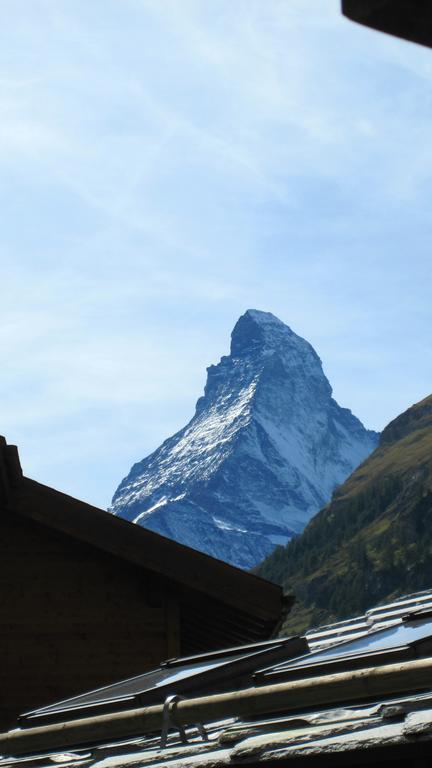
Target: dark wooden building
[{"x": 87, "y": 598}]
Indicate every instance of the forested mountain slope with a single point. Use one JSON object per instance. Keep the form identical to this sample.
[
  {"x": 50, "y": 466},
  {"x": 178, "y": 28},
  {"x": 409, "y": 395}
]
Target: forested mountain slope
[{"x": 374, "y": 540}]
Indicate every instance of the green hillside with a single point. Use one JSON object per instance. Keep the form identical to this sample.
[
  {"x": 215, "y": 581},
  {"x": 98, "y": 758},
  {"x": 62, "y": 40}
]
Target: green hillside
[{"x": 373, "y": 541}]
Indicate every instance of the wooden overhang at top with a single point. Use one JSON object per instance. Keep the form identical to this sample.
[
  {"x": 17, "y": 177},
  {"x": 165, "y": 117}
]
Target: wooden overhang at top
[
  {"x": 408, "y": 19},
  {"x": 191, "y": 569}
]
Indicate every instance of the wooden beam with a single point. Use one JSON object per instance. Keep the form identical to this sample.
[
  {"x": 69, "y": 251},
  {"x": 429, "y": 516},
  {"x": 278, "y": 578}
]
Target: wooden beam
[
  {"x": 10, "y": 471},
  {"x": 390, "y": 680}
]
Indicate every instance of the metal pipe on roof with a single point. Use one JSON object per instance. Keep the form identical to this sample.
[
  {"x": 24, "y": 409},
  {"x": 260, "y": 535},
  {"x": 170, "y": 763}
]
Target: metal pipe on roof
[{"x": 343, "y": 687}]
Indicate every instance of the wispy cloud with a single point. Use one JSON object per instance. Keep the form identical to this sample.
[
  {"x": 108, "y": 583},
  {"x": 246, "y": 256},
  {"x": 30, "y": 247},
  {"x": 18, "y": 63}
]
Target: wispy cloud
[{"x": 163, "y": 166}]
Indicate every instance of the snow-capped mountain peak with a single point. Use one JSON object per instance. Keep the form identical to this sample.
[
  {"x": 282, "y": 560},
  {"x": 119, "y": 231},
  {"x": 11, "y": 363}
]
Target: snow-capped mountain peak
[
  {"x": 265, "y": 449},
  {"x": 256, "y": 330}
]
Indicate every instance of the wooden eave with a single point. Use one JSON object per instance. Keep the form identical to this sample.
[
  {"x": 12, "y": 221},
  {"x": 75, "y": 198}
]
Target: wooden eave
[
  {"x": 137, "y": 545},
  {"x": 407, "y": 19}
]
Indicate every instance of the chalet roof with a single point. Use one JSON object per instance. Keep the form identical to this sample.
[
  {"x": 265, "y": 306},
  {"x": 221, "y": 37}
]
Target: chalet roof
[
  {"x": 378, "y": 712},
  {"x": 380, "y": 617},
  {"x": 390, "y": 731},
  {"x": 223, "y": 582}
]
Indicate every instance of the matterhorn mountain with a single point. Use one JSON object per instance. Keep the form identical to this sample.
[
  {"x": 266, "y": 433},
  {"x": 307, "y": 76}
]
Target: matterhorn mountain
[{"x": 262, "y": 454}]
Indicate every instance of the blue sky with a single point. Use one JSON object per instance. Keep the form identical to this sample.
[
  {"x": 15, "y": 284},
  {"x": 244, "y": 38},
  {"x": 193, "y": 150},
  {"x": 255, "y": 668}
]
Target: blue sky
[{"x": 167, "y": 164}]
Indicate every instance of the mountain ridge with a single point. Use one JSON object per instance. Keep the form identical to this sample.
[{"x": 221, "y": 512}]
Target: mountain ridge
[{"x": 373, "y": 541}]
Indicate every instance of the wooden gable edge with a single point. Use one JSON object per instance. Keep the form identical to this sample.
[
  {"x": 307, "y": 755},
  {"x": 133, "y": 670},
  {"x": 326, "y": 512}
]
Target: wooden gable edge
[{"x": 137, "y": 545}]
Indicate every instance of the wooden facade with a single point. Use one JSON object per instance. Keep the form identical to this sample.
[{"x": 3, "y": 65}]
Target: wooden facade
[{"x": 87, "y": 598}]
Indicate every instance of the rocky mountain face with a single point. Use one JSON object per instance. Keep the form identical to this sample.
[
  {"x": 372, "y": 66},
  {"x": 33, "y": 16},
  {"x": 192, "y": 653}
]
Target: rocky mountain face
[
  {"x": 262, "y": 454},
  {"x": 373, "y": 542}
]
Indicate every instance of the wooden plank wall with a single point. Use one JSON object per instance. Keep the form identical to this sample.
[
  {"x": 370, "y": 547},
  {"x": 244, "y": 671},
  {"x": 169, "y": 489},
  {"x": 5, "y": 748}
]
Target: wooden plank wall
[{"x": 73, "y": 617}]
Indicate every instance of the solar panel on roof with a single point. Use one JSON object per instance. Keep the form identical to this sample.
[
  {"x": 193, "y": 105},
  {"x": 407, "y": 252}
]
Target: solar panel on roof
[
  {"x": 388, "y": 642},
  {"x": 212, "y": 672}
]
